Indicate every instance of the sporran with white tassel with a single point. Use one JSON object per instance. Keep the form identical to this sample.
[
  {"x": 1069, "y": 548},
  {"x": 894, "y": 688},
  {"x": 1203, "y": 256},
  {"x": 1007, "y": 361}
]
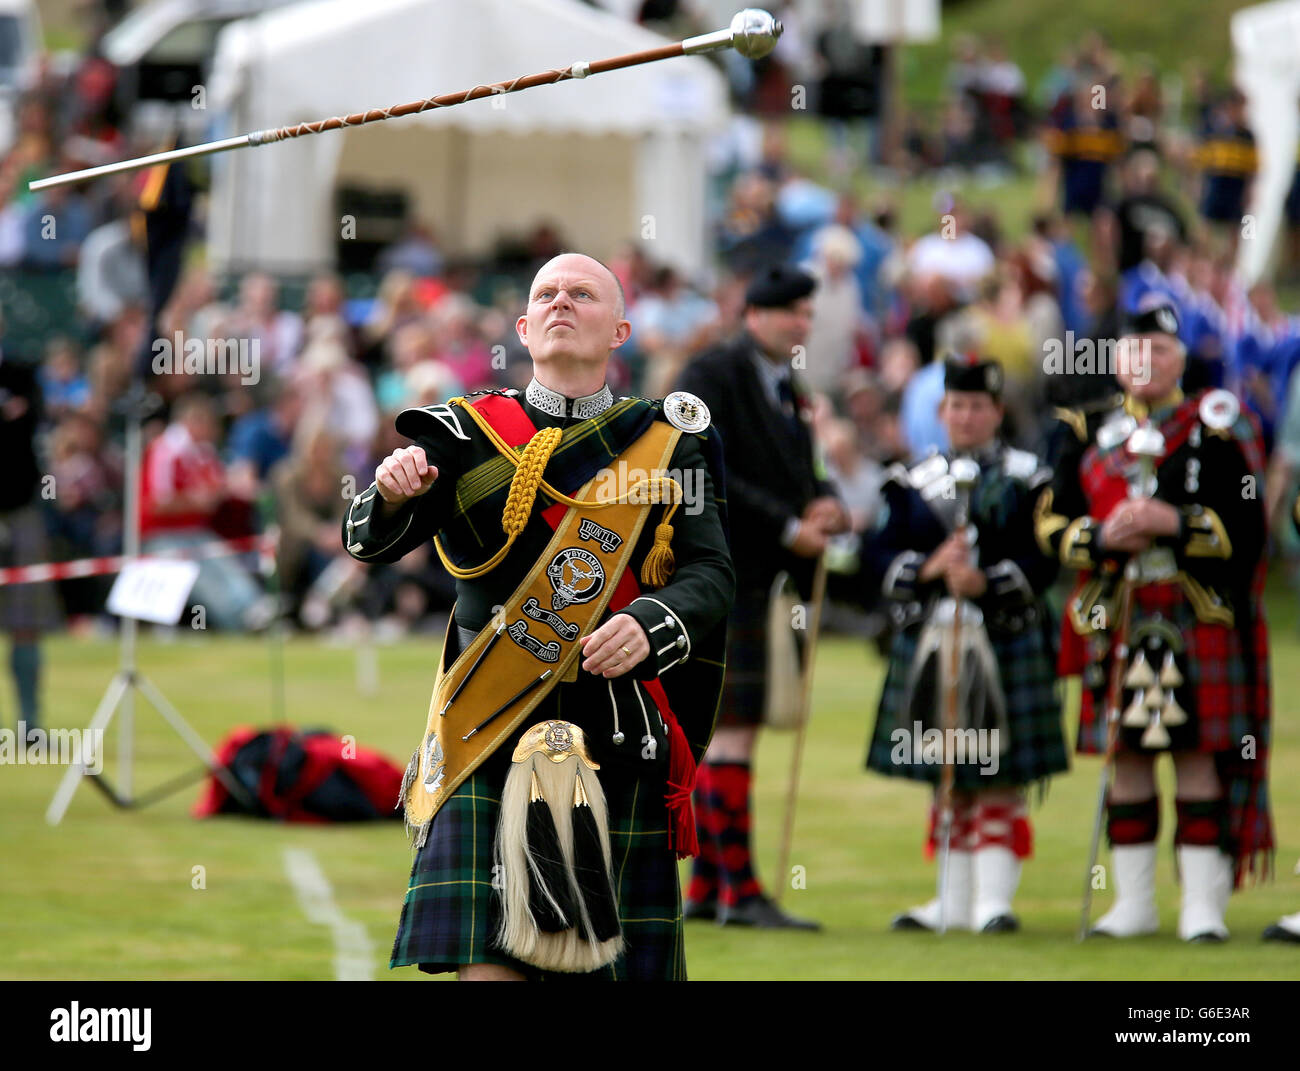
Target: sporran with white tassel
[{"x": 559, "y": 910}]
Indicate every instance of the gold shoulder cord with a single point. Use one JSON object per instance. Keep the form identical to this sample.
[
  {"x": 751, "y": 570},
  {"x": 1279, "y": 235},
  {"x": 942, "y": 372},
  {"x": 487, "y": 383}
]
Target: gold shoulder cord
[{"x": 527, "y": 481}]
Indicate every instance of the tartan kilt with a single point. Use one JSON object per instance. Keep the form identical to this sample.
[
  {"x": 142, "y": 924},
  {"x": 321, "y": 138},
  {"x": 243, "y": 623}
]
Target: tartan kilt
[
  {"x": 1037, "y": 747},
  {"x": 1227, "y": 694},
  {"x": 744, "y": 687},
  {"x": 1220, "y": 690},
  {"x": 451, "y": 912}
]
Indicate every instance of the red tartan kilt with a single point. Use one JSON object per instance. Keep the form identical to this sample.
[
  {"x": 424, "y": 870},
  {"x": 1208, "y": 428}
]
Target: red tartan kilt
[
  {"x": 1221, "y": 699},
  {"x": 1072, "y": 658}
]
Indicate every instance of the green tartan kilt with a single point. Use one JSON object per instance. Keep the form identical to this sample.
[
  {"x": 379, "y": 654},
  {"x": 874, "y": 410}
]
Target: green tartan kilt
[
  {"x": 744, "y": 687},
  {"x": 1037, "y": 746},
  {"x": 451, "y": 912}
]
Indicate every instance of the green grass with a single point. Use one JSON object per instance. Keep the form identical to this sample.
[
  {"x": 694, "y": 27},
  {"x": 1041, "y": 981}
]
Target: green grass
[
  {"x": 1172, "y": 33},
  {"x": 108, "y": 894}
]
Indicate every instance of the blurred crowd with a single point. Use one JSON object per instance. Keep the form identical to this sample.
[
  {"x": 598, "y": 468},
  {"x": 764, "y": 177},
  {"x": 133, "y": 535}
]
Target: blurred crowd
[{"x": 1143, "y": 198}]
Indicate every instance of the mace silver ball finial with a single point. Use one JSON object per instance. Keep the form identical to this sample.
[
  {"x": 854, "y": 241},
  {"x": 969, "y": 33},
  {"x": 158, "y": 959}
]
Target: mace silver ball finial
[
  {"x": 754, "y": 32},
  {"x": 964, "y": 471}
]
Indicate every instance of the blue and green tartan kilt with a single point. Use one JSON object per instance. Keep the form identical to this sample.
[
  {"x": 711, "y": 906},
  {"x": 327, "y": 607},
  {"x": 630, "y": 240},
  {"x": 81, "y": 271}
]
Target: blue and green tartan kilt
[
  {"x": 1037, "y": 747},
  {"x": 744, "y": 687},
  {"x": 452, "y": 912}
]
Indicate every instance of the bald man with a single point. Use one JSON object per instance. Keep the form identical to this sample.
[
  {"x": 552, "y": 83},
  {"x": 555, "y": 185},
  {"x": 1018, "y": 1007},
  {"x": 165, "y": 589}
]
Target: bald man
[{"x": 621, "y": 653}]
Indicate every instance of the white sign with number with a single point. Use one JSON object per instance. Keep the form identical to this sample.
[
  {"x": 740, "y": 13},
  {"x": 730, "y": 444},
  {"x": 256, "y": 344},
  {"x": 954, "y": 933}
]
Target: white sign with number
[{"x": 153, "y": 589}]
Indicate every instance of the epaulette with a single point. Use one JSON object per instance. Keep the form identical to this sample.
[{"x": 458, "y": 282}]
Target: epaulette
[
  {"x": 1025, "y": 466},
  {"x": 930, "y": 468},
  {"x": 897, "y": 473},
  {"x": 1075, "y": 419},
  {"x": 411, "y": 422},
  {"x": 928, "y": 477},
  {"x": 1115, "y": 429}
]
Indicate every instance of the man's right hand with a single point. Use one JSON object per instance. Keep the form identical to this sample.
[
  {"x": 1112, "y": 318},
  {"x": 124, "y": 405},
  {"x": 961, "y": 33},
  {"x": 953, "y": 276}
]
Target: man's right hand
[
  {"x": 809, "y": 540},
  {"x": 403, "y": 475},
  {"x": 952, "y": 551}
]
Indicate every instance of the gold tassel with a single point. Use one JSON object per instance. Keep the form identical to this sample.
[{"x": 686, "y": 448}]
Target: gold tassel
[
  {"x": 524, "y": 485},
  {"x": 659, "y": 563}
]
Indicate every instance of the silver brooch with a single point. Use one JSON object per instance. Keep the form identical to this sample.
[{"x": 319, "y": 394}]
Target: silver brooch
[
  {"x": 558, "y": 737},
  {"x": 686, "y": 412}
]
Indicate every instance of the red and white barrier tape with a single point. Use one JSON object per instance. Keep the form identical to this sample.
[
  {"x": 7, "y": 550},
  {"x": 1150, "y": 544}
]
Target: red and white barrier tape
[{"x": 71, "y": 570}]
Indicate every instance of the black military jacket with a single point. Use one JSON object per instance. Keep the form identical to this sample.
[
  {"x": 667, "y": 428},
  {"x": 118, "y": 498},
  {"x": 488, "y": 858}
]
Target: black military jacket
[
  {"x": 685, "y": 620},
  {"x": 771, "y": 468}
]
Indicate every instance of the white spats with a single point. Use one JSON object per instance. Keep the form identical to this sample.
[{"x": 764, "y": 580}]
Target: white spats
[
  {"x": 997, "y": 876},
  {"x": 1287, "y": 928},
  {"x": 926, "y": 917},
  {"x": 1133, "y": 870},
  {"x": 1207, "y": 885}
]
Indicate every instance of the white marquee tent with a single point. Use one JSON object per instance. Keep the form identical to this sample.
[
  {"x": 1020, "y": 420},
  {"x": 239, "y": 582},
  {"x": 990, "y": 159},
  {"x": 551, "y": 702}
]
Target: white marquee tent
[
  {"x": 1266, "y": 43},
  {"x": 614, "y": 157}
]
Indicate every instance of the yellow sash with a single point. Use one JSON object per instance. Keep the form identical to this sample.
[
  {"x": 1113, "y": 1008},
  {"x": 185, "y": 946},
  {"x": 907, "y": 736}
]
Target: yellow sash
[{"x": 533, "y": 641}]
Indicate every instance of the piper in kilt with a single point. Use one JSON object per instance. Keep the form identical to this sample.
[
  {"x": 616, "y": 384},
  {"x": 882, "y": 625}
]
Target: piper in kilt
[
  {"x": 1008, "y": 734},
  {"x": 551, "y": 851},
  {"x": 1188, "y": 536},
  {"x": 785, "y": 510}
]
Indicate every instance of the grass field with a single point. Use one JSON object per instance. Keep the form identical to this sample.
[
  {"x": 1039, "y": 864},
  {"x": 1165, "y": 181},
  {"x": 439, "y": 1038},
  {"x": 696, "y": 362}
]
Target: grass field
[{"x": 109, "y": 894}]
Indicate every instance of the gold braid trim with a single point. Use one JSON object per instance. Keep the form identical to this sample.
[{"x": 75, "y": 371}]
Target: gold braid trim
[
  {"x": 1075, "y": 419},
  {"x": 1207, "y": 537},
  {"x": 1077, "y": 543},
  {"x": 1047, "y": 523},
  {"x": 519, "y": 502},
  {"x": 527, "y": 478},
  {"x": 1208, "y": 606},
  {"x": 530, "y": 465}
]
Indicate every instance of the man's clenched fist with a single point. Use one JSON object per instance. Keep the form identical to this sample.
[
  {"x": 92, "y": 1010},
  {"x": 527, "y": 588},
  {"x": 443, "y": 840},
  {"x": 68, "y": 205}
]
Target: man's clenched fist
[{"x": 404, "y": 474}]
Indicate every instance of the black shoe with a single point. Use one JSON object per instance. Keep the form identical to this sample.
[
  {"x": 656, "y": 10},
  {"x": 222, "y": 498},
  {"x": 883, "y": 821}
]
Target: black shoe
[
  {"x": 1001, "y": 924},
  {"x": 702, "y": 910},
  {"x": 762, "y": 914},
  {"x": 1207, "y": 938},
  {"x": 910, "y": 923},
  {"x": 1281, "y": 933}
]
